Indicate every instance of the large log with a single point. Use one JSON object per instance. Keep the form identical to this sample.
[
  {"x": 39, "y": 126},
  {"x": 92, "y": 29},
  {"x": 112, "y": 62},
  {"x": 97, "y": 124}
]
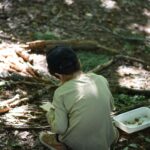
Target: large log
[{"x": 75, "y": 44}]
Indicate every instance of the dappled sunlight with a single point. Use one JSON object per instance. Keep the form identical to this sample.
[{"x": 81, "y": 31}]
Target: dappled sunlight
[
  {"x": 82, "y": 89},
  {"x": 15, "y": 59},
  {"x": 14, "y": 116},
  {"x": 109, "y": 4},
  {"x": 69, "y": 2},
  {"x": 5, "y": 36},
  {"x": 123, "y": 25},
  {"x": 146, "y": 12},
  {"x": 133, "y": 77},
  {"x": 24, "y": 135},
  {"x": 5, "y": 5},
  {"x": 142, "y": 28},
  {"x": 20, "y": 73},
  {"x": 23, "y": 116}
]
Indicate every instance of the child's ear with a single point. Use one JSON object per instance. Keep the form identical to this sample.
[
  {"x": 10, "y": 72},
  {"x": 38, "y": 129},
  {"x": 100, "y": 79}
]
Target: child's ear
[{"x": 59, "y": 76}]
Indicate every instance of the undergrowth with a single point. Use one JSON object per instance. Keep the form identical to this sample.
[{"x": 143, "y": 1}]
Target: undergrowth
[
  {"x": 89, "y": 60},
  {"x": 123, "y": 100}
]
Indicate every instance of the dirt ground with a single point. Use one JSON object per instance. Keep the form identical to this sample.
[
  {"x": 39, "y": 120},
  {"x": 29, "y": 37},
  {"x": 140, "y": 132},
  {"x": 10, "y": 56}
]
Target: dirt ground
[{"x": 123, "y": 25}]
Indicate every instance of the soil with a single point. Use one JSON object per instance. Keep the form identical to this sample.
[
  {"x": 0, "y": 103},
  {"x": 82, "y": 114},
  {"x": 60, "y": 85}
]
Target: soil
[{"x": 123, "y": 25}]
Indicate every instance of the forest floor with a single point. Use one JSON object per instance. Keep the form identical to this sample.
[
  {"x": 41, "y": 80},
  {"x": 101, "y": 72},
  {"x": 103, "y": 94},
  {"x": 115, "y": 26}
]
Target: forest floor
[{"x": 122, "y": 25}]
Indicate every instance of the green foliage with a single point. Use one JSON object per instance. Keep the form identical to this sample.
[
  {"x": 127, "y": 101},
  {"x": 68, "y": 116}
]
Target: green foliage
[
  {"x": 45, "y": 36},
  {"x": 128, "y": 48},
  {"x": 123, "y": 100},
  {"x": 147, "y": 139},
  {"x": 133, "y": 145},
  {"x": 147, "y": 49},
  {"x": 90, "y": 60}
]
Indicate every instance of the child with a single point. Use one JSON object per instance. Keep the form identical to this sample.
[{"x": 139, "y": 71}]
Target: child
[{"x": 81, "y": 105}]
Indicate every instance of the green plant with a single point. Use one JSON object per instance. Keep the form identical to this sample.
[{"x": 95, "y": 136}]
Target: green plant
[
  {"x": 90, "y": 60},
  {"x": 147, "y": 49},
  {"x": 128, "y": 48},
  {"x": 45, "y": 36},
  {"x": 122, "y": 100}
]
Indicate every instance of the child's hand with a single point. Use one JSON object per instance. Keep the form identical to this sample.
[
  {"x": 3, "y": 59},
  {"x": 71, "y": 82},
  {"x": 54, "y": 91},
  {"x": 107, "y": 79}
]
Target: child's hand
[{"x": 46, "y": 106}]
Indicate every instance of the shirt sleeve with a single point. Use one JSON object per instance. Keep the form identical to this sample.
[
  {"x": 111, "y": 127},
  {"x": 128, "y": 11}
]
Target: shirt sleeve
[
  {"x": 57, "y": 116},
  {"x": 112, "y": 106}
]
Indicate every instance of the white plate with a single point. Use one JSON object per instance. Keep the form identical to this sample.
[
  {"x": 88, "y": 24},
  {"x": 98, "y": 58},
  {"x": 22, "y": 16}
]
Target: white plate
[{"x": 134, "y": 120}]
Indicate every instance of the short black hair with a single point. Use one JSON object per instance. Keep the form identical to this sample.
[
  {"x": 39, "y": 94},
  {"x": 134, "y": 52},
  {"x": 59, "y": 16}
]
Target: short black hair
[{"x": 62, "y": 60}]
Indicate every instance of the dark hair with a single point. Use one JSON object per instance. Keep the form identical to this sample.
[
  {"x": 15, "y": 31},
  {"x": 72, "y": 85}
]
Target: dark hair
[{"x": 62, "y": 60}]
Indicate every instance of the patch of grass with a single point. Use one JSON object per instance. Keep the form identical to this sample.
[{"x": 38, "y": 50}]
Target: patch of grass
[
  {"x": 129, "y": 48},
  {"x": 45, "y": 36},
  {"x": 89, "y": 60},
  {"x": 123, "y": 100}
]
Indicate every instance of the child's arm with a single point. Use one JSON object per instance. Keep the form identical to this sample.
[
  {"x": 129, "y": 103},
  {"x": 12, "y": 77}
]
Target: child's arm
[{"x": 57, "y": 117}]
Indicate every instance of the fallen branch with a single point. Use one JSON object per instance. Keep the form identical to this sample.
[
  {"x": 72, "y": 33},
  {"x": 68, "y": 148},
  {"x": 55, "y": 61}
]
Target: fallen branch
[
  {"x": 5, "y": 105},
  {"x": 101, "y": 67},
  {"x": 132, "y": 59},
  {"x": 75, "y": 44},
  {"x": 11, "y": 103},
  {"x": 30, "y": 97},
  {"x": 19, "y": 102}
]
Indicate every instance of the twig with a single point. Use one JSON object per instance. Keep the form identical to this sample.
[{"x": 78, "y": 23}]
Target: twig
[
  {"x": 15, "y": 101},
  {"x": 20, "y": 101},
  {"x": 9, "y": 101},
  {"x": 101, "y": 67},
  {"x": 131, "y": 59},
  {"x": 32, "y": 97},
  {"x": 15, "y": 127}
]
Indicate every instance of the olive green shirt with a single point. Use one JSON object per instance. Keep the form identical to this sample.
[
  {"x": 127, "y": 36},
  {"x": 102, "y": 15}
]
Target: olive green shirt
[{"x": 81, "y": 113}]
